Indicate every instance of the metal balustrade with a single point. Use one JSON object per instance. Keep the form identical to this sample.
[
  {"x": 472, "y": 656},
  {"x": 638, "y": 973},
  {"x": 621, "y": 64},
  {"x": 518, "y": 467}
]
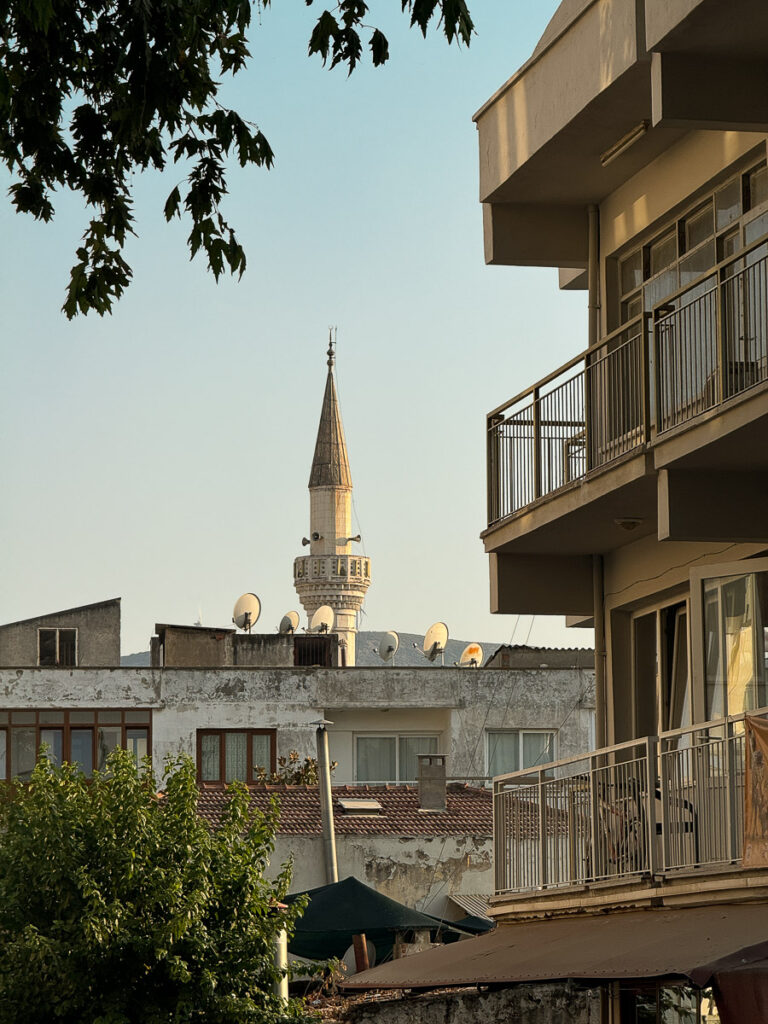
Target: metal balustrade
[
  {"x": 701, "y": 347},
  {"x": 646, "y": 807}
]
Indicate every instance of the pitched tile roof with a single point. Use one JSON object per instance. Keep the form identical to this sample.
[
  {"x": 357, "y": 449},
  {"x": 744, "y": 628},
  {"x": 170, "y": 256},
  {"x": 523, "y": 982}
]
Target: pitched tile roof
[{"x": 469, "y": 810}]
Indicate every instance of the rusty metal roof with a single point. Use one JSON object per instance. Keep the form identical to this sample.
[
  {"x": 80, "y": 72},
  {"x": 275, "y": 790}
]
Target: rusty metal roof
[{"x": 654, "y": 943}]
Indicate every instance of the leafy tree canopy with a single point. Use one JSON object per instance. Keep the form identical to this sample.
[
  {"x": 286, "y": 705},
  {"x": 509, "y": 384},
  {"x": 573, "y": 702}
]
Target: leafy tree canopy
[
  {"x": 91, "y": 92},
  {"x": 120, "y": 905}
]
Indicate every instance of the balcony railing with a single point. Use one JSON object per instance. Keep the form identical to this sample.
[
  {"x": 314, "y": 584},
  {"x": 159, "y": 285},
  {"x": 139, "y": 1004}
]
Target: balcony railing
[
  {"x": 704, "y": 345},
  {"x": 647, "y": 807}
]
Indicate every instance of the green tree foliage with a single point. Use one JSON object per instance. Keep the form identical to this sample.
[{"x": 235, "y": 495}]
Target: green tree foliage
[
  {"x": 120, "y": 905},
  {"x": 91, "y": 92},
  {"x": 292, "y": 771}
]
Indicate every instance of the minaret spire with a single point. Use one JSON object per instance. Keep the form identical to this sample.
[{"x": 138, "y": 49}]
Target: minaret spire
[{"x": 332, "y": 574}]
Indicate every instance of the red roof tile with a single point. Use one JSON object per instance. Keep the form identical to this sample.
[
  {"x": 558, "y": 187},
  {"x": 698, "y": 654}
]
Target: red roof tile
[{"x": 469, "y": 810}]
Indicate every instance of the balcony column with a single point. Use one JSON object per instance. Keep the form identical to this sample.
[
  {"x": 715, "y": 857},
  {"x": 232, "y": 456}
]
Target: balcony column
[
  {"x": 598, "y": 610},
  {"x": 593, "y": 273}
]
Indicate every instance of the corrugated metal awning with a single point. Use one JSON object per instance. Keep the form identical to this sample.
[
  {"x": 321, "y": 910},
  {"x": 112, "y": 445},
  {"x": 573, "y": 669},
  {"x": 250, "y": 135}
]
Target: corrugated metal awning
[
  {"x": 658, "y": 943},
  {"x": 475, "y": 903}
]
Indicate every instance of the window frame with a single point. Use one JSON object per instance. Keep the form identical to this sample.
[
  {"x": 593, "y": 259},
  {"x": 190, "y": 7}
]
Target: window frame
[
  {"x": 249, "y": 733},
  {"x": 554, "y": 733},
  {"x": 396, "y": 736},
  {"x": 696, "y": 625},
  {"x": 677, "y": 223},
  {"x": 7, "y": 725},
  {"x": 57, "y": 630}
]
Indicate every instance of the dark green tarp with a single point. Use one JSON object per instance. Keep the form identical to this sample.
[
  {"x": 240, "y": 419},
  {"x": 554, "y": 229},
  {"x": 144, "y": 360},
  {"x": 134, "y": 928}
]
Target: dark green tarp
[{"x": 338, "y": 911}]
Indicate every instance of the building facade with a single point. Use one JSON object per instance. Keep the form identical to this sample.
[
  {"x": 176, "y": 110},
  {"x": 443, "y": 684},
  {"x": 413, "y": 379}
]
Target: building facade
[
  {"x": 82, "y": 637},
  {"x": 627, "y": 489}
]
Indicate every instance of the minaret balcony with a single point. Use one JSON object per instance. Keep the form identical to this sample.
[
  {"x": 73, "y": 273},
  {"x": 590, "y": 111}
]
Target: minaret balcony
[{"x": 332, "y": 567}]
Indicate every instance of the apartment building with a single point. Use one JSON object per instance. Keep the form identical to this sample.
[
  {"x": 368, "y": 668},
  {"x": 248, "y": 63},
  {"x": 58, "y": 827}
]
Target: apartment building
[{"x": 627, "y": 490}]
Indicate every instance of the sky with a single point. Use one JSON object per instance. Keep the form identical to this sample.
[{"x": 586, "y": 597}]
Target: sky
[{"x": 162, "y": 454}]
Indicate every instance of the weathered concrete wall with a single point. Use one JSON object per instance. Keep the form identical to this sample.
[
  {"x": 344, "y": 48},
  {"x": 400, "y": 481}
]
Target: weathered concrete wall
[
  {"x": 529, "y": 1004},
  {"x": 98, "y": 635},
  {"x": 421, "y": 872},
  {"x": 459, "y": 705}
]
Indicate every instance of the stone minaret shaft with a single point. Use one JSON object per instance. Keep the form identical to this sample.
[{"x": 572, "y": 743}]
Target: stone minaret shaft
[{"x": 331, "y": 574}]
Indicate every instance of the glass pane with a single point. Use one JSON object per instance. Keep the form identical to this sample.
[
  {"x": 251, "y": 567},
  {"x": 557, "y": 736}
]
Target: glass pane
[
  {"x": 81, "y": 741},
  {"x": 210, "y": 746},
  {"x": 235, "y": 756},
  {"x": 376, "y": 759},
  {"x": 756, "y": 228},
  {"x": 698, "y": 263},
  {"x": 47, "y": 646},
  {"x": 111, "y": 717},
  {"x": 3, "y": 753},
  {"x": 538, "y": 748},
  {"x": 729, "y": 244},
  {"x": 106, "y": 740},
  {"x": 140, "y": 715},
  {"x": 137, "y": 741},
  {"x": 658, "y": 289},
  {"x": 662, "y": 253},
  {"x": 699, "y": 226},
  {"x": 631, "y": 308},
  {"x": 4, "y": 716},
  {"x": 261, "y": 753},
  {"x": 410, "y": 748},
  {"x": 52, "y": 717},
  {"x": 631, "y": 272},
  {"x": 503, "y": 752},
  {"x": 23, "y": 752},
  {"x": 728, "y": 203},
  {"x": 53, "y": 739},
  {"x": 82, "y": 717},
  {"x": 713, "y": 665},
  {"x": 738, "y": 611},
  {"x": 757, "y": 184},
  {"x": 67, "y": 647},
  {"x": 23, "y": 717}
]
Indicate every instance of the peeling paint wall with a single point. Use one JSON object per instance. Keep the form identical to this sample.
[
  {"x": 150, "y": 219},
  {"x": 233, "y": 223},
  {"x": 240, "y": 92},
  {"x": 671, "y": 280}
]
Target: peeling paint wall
[
  {"x": 533, "y": 1004},
  {"x": 421, "y": 872},
  {"x": 458, "y": 705}
]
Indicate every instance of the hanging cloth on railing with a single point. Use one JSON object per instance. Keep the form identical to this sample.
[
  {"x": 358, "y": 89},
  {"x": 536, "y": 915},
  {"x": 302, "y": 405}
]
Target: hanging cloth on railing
[{"x": 756, "y": 793}]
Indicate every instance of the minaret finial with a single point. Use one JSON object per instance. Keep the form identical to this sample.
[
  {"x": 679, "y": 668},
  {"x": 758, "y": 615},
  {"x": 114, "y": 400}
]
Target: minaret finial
[{"x": 331, "y": 343}]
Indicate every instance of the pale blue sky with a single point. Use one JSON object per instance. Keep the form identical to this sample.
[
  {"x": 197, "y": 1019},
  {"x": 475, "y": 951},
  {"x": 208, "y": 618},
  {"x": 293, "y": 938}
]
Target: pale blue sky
[{"x": 162, "y": 454}]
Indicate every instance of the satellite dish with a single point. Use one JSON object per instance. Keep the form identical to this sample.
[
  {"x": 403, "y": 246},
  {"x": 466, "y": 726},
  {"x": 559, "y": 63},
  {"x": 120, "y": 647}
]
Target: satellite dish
[
  {"x": 322, "y": 620},
  {"x": 247, "y": 611},
  {"x": 435, "y": 640},
  {"x": 388, "y": 646},
  {"x": 471, "y": 656},
  {"x": 289, "y": 622}
]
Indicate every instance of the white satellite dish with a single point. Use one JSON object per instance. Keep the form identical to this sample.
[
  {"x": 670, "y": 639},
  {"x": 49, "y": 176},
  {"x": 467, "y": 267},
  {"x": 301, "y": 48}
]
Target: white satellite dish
[
  {"x": 388, "y": 646},
  {"x": 435, "y": 640},
  {"x": 322, "y": 620},
  {"x": 247, "y": 611},
  {"x": 289, "y": 622},
  {"x": 471, "y": 656}
]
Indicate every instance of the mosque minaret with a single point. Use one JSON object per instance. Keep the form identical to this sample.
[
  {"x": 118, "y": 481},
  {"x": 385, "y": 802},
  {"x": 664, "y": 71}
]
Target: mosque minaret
[{"x": 331, "y": 574}]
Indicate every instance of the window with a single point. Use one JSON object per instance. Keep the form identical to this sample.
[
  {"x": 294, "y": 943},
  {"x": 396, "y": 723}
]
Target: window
[
  {"x": 85, "y": 737},
  {"x": 688, "y": 248},
  {"x": 510, "y": 750},
  {"x": 57, "y": 648},
  {"x": 383, "y": 757},
  {"x": 226, "y": 755}
]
